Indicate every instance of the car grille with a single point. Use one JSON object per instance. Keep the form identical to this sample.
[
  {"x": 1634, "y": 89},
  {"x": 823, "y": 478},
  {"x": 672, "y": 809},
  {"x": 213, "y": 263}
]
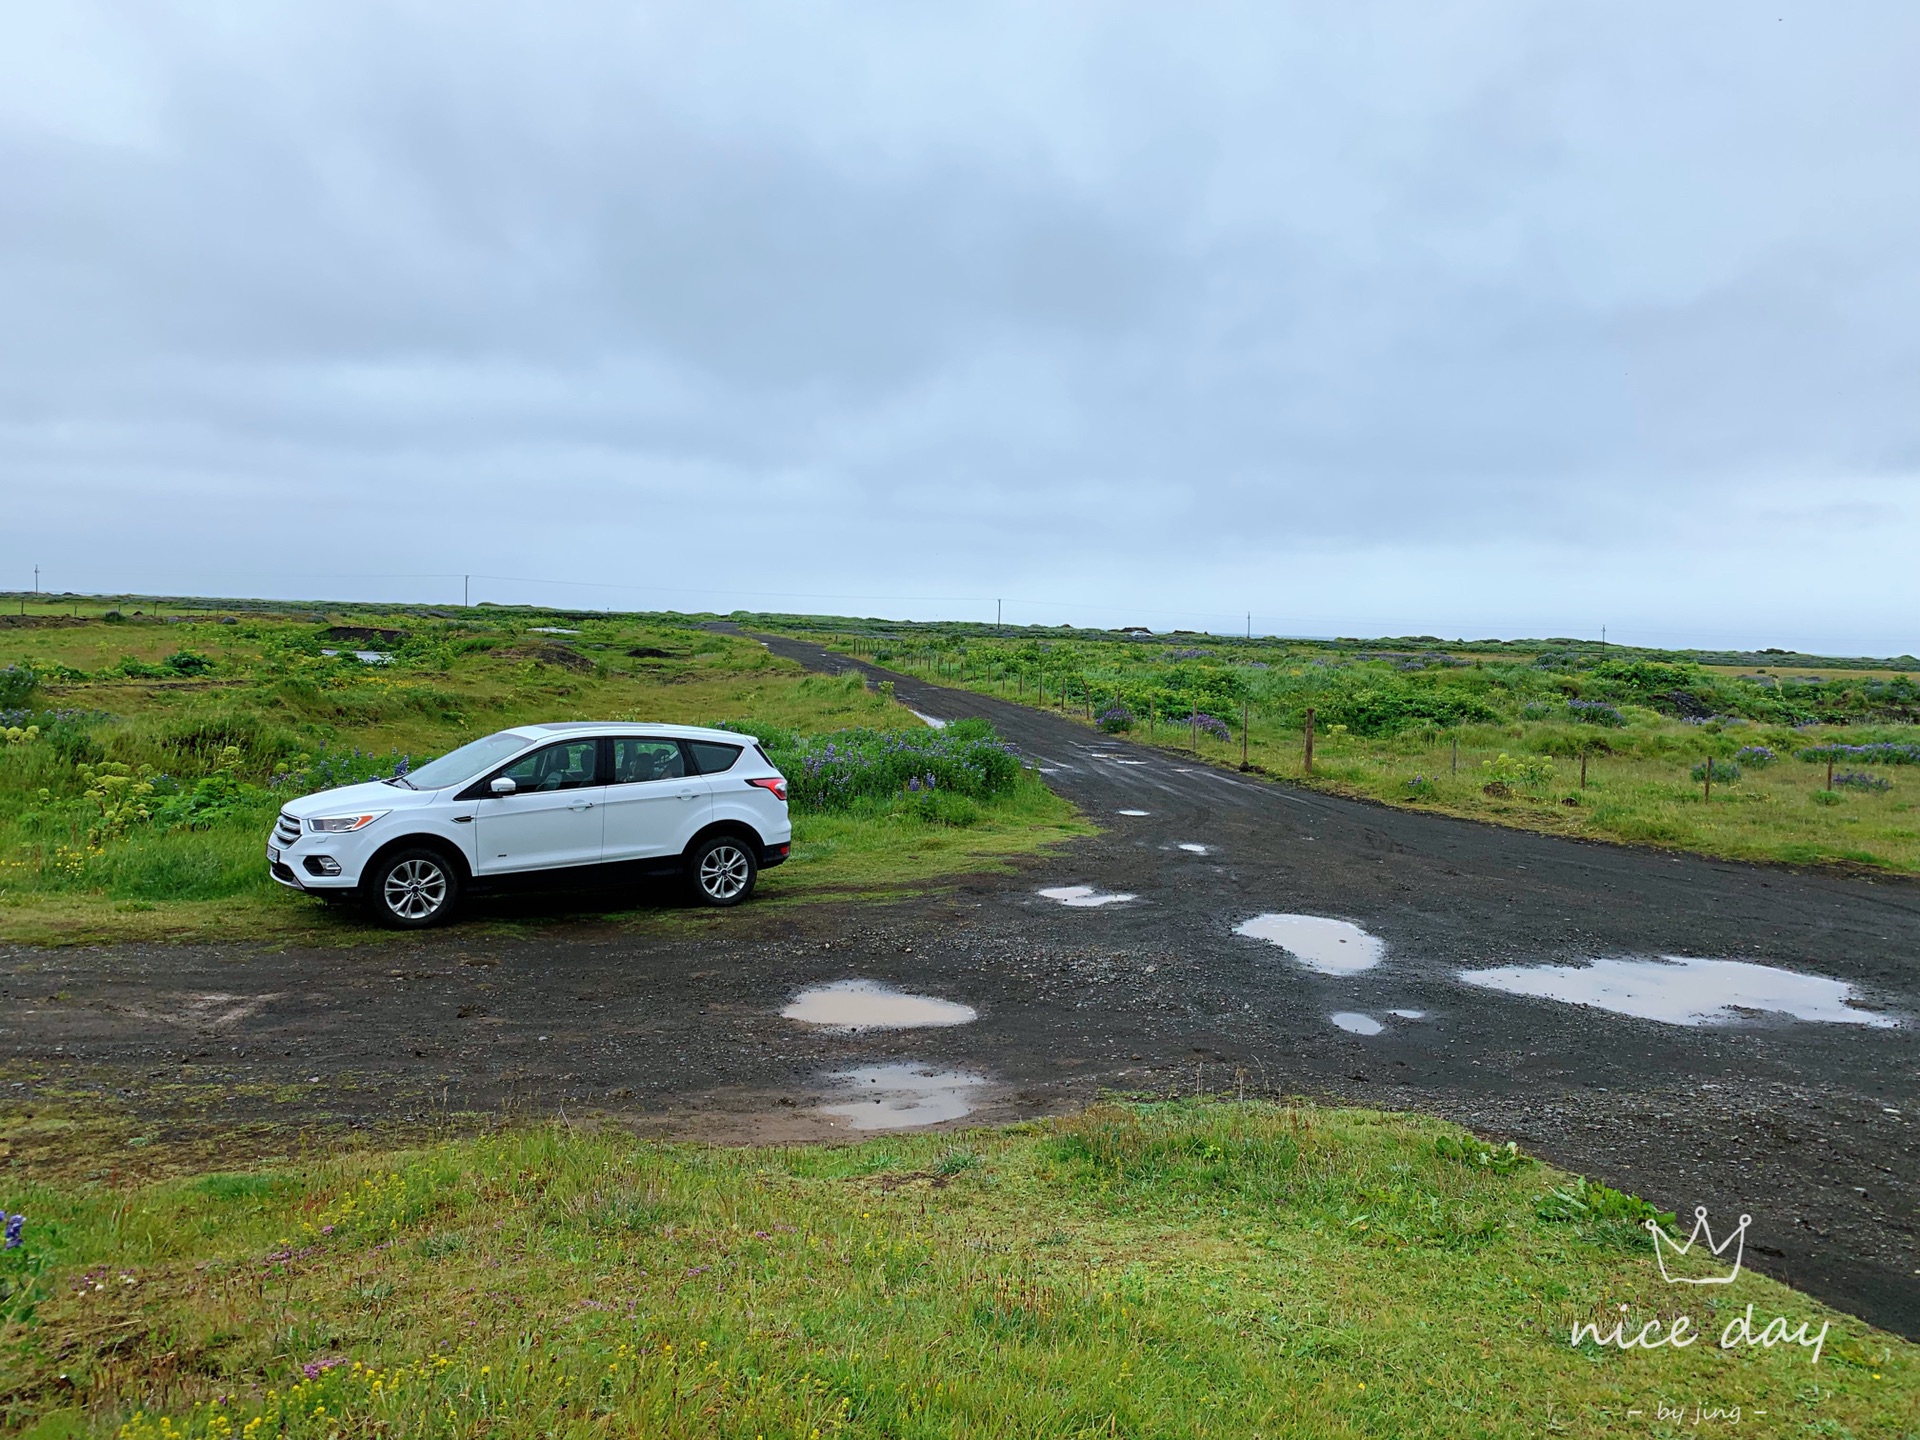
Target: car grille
[{"x": 287, "y": 831}]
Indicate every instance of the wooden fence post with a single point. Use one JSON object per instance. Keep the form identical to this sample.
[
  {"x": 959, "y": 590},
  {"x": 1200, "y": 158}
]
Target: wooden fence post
[{"x": 1309, "y": 764}]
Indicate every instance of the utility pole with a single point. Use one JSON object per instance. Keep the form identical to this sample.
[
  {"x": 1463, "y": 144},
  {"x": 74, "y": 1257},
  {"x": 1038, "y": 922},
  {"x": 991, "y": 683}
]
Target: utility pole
[
  {"x": 466, "y": 591},
  {"x": 996, "y": 614},
  {"x": 1249, "y": 624},
  {"x": 36, "y": 579},
  {"x": 1603, "y": 637}
]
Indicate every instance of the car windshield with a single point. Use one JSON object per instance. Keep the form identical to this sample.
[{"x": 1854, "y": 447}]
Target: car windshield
[{"x": 468, "y": 761}]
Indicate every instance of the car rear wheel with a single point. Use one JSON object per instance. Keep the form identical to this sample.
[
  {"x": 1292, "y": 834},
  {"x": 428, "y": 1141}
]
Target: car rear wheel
[
  {"x": 412, "y": 889},
  {"x": 721, "y": 871}
]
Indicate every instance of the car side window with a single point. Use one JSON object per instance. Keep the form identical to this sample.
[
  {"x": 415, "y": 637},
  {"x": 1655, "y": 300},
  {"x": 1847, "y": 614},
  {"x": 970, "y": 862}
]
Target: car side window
[
  {"x": 710, "y": 757},
  {"x": 566, "y": 766},
  {"x": 637, "y": 759}
]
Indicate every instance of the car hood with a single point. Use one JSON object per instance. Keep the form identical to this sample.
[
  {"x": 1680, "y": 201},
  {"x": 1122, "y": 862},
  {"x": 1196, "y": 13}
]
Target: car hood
[{"x": 350, "y": 798}]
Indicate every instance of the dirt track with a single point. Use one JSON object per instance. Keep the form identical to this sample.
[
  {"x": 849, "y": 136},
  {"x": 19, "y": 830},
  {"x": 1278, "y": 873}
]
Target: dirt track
[{"x": 680, "y": 1033}]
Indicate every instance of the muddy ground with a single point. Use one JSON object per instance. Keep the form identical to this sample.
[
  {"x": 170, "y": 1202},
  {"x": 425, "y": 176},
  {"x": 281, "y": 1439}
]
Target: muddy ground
[{"x": 1808, "y": 1127}]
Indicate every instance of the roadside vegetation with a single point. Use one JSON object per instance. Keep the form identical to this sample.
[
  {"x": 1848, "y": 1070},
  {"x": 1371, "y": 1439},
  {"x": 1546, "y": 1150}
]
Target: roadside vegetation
[
  {"x": 1761, "y": 756},
  {"x": 1177, "y": 1268},
  {"x": 143, "y": 757}
]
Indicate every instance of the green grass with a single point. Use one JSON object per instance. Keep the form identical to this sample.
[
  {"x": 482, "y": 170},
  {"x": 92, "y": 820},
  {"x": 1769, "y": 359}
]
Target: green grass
[
  {"x": 1182, "y": 1269},
  {"x": 1398, "y": 741},
  {"x": 269, "y": 702}
]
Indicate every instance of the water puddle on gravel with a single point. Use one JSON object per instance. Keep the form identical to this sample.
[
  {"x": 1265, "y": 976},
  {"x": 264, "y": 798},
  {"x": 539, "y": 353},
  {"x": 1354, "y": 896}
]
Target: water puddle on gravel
[
  {"x": 936, "y": 724},
  {"x": 869, "y": 1005},
  {"x": 1193, "y": 849},
  {"x": 1083, "y": 897},
  {"x": 1355, "y": 1024},
  {"x": 902, "y": 1096},
  {"x": 1333, "y": 947},
  {"x": 1132, "y": 812},
  {"x": 1409, "y": 1014},
  {"x": 1683, "y": 990}
]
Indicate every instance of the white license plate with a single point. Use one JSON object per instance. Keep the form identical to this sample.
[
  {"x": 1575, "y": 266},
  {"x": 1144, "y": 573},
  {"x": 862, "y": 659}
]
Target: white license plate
[{"x": 273, "y": 855}]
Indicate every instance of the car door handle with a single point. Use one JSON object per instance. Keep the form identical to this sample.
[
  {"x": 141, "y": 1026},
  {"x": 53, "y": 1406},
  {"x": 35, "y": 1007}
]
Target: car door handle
[
  {"x": 587, "y": 806},
  {"x": 688, "y": 795}
]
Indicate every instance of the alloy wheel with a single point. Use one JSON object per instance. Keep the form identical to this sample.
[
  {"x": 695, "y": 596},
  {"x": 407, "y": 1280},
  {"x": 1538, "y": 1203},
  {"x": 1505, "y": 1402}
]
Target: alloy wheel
[
  {"x": 724, "y": 871},
  {"x": 416, "y": 889}
]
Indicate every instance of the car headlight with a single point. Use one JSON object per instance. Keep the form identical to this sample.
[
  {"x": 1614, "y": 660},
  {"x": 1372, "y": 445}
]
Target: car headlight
[{"x": 343, "y": 824}]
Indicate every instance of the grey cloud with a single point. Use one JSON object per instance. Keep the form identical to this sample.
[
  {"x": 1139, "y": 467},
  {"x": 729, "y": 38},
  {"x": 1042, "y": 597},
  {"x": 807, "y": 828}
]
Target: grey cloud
[{"x": 992, "y": 298}]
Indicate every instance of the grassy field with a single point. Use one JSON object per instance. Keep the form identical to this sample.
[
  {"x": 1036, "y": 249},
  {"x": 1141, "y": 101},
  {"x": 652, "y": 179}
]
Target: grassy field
[
  {"x": 1496, "y": 733},
  {"x": 1161, "y": 1269},
  {"x": 141, "y": 770}
]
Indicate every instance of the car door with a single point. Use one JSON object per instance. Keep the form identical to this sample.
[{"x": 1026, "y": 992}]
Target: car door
[
  {"x": 653, "y": 804},
  {"x": 554, "y": 817}
]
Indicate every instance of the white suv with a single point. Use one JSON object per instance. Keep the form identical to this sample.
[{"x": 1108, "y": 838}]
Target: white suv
[{"x": 576, "y": 797}]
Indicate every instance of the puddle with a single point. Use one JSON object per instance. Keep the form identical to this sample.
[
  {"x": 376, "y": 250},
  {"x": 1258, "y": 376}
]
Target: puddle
[
  {"x": 553, "y": 630},
  {"x": 1355, "y": 1024},
  {"x": 1683, "y": 990},
  {"x": 1408, "y": 1014},
  {"x": 1133, "y": 812},
  {"x": 869, "y": 1005},
  {"x": 1130, "y": 762},
  {"x": 1333, "y": 947},
  {"x": 1082, "y": 896},
  {"x": 365, "y": 657},
  {"x": 902, "y": 1096},
  {"x": 1193, "y": 849},
  {"x": 936, "y": 724}
]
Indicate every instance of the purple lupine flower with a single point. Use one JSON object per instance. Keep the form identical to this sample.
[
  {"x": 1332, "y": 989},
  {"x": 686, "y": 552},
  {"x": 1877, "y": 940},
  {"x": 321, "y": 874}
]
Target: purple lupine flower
[{"x": 15, "y": 1224}]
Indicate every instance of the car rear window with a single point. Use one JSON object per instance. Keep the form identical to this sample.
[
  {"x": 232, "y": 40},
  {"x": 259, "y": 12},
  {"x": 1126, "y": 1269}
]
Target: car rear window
[{"x": 711, "y": 758}]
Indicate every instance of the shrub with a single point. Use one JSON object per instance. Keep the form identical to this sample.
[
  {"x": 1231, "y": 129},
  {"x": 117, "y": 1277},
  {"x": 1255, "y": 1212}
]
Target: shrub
[
  {"x": 1478, "y": 1154},
  {"x": 1595, "y": 712},
  {"x": 1116, "y": 720},
  {"x": 17, "y": 682},
  {"x": 832, "y": 772},
  {"x": 1509, "y": 773},
  {"x": 1724, "y": 772},
  {"x": 1420, "y": 787},
  {"x": 1883, "y": 752},
  {"x": 187, "y": 662},
  {"x": 1860, "y": 780},
  {"x": 1602, "y": 1213},
  {"x": 70, "y": 740},
  {"x": 1210, "y": 725},
  {"x": 1757, "y": 757},
  {"x": 329, "y": 770},
  {"x": 213, "y": 798}
]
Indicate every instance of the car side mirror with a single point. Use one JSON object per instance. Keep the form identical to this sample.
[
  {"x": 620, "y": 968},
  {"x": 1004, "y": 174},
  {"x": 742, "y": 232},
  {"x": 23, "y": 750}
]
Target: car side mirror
[{"x": 502, "y": 785}]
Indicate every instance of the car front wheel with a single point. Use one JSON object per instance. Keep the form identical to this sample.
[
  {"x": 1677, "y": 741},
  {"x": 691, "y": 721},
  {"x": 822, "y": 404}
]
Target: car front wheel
[
  {"x": 412, "y": 889},
  {"x": 722, "y": 871}
]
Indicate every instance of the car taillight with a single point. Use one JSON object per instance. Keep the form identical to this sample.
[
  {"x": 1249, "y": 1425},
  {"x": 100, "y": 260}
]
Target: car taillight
[{"x": 774, "y": 783}]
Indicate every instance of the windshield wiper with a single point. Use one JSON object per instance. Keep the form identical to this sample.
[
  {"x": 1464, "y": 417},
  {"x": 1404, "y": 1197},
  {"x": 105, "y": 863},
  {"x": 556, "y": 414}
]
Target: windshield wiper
[{"x": 399, "y": 780}]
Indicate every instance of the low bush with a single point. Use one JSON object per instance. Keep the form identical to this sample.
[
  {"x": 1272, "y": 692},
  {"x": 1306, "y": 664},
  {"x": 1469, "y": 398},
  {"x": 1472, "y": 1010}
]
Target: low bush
[
  {"x": 833, "y": 772},
  {"x": 1724, "y": 772},
  {"x": 1861, "y": 780},
  {"x": 1509, "y": 772},
  {"x": 17, "y": 683}
]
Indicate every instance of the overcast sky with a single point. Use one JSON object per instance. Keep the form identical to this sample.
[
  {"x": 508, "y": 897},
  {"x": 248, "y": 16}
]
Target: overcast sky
[{"x": 1365, "y": 318}]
